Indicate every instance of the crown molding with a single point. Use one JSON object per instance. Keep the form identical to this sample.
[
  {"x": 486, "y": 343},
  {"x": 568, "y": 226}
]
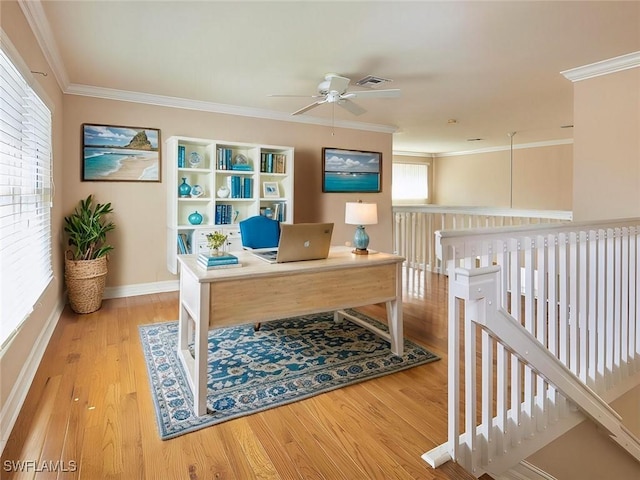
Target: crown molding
[
  {"x": 185, "y": 103},
  {"x": 34, "y": 13},
  {"x": 413, "y": 154},
  {"x": 550, "y": 143},
  {"x": 605, "y": 67}
]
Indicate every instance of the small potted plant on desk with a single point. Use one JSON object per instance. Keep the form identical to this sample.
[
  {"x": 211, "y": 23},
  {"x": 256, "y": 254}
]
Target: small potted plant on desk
[
  {"x": 86, "y": 261},
  {"x": 215, "y": 242}
]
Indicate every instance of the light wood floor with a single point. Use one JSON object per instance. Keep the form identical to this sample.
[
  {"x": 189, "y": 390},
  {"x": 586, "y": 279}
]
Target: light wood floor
[{"x": 90, "y": 406}]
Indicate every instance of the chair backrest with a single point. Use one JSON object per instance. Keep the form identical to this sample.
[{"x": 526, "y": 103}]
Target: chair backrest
[{"x": 260, "y": 232}]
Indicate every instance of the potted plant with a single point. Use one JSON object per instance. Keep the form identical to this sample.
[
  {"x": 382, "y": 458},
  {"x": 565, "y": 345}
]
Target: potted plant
[
  {"x": 86, "y": 259},
  {"x": 215, "y": 241}
]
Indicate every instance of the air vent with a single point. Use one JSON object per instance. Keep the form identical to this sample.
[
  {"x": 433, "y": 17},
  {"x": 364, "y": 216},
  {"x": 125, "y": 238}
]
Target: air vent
[{"x": 371, "y": 81}]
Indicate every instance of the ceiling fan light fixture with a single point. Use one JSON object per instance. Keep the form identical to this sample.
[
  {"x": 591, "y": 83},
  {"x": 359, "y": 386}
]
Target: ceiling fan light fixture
[
  {"x": 333, "y": 89},
  {"x": 372, "y": 81}
]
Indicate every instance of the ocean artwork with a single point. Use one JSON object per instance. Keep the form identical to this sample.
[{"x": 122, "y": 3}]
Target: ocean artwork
[
  {"x": 351, "y": 170},
  {"x": 113, "y": 153}
]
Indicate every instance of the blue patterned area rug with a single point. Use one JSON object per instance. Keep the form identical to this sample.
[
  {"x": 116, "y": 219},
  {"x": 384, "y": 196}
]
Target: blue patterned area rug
[{"x": 283, "y": 362}]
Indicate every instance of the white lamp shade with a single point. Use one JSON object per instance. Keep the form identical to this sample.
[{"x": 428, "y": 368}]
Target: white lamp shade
[{"x": 357, "y": 213}]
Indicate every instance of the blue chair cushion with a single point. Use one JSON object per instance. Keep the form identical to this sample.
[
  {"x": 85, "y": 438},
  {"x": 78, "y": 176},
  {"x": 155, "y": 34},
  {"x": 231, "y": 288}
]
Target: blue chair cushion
[{"x": 260, "y": 232}]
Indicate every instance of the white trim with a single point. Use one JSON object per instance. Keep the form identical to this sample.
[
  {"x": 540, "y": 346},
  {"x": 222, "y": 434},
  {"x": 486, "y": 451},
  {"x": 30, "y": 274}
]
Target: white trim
[
  {"x": 185, "y": 103},
  {"x": 526, "y": 471},
  {"x": 141, "y": 289},
  {"x": 18, "y": 394},
  {"x": 487, "y": 212},
  {"x": 605, "y": 67},
  {"x": 413, "y": 154},
  {"x": 437, "y": 456},
  {"x": 549, "y": 143},
  {"x": 37, "y": 20}
]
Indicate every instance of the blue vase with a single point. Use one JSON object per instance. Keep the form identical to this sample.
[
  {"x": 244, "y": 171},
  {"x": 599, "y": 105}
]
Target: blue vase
[
  {"x": 184, "y": 190},
  {"x": 361, "y": 238},
  {"x": 195, "y": 218}
]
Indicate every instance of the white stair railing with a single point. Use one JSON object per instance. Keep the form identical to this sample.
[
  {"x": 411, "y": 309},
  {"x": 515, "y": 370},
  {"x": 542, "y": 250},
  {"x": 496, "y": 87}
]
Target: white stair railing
[
  {"x": 416, "y": 226},
  {"x": 551, "y": 333}
]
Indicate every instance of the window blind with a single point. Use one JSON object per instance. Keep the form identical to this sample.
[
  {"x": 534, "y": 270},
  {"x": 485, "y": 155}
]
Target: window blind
[
  {"x": 410, "y": 181},
  {"x": 25, "y": 198}
]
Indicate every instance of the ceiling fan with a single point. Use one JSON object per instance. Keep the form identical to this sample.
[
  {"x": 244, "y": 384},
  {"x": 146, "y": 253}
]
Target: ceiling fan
[{"x": 333, "y": 89}]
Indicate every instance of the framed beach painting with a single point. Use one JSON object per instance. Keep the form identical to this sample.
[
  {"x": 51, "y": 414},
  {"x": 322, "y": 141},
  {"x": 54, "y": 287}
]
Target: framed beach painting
[
  {"x": 120, "y": 154},
  {"x": 351, "y": 171}
]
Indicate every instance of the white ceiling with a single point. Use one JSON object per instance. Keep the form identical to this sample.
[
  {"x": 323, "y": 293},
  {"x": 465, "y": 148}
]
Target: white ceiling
[{"x": 494, "y": 67}]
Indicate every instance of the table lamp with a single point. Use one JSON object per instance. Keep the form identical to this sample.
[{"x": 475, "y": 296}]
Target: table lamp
[{"x": 361, "y": 214}]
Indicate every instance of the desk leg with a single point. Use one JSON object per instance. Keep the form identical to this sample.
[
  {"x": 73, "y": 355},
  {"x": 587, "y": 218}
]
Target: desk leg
[
  {"x": 394, "y": 317},
  {"x": 193, "y": 325},
  {"x": 201, "y": 353}
]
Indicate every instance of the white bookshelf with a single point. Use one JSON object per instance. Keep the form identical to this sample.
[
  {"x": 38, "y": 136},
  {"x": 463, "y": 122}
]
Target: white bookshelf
[{"x": 243, "y": 165}]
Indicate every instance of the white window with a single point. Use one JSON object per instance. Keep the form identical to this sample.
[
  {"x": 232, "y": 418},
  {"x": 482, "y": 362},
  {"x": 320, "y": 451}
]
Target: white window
[
  {"x": 25, "y": 198},
  {"x": 410, "y": 182}
]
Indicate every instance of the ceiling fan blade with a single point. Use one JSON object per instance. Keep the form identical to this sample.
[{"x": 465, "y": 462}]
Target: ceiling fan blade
[
  {"x": 393, "y": 92},
  {"x": 337, "y": 83},
  {"x": 309, "y": 107},
  {"x": 296, "y": 96},
  {"x": 352, "y": 107}
]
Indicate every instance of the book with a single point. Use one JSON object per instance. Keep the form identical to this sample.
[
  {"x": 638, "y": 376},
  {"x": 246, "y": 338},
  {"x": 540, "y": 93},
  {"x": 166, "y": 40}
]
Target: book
[
  {"x": 181, "y": 156},
  {"x": 216, "y": 267},
  {"x": 213, "y": 264},
  {"x": 246, "y": 187},
  {"x": 183, "y": 243},
  {"x": 236, "y": 188},
  {"x": 224, "y": 259},
  {"x": 204, "y": 263},
  {"x": 246, "y": 168}
]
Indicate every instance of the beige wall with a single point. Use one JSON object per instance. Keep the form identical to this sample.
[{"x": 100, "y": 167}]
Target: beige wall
[
  {"x": 541, "y": 178},
  {"x": 140, "y": 208},
  {"x": 587, "y": 453},
  {"x": 14, "y": 358},
  {"x": 606, "y": 173}
]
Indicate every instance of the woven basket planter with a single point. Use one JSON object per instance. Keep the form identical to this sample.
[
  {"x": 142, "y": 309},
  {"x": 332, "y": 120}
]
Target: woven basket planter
[{"x": 85, "y": 281}]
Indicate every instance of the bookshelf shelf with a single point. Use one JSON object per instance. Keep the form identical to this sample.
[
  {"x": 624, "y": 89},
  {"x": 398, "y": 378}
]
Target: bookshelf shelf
[{"x": 241, "y": 167}]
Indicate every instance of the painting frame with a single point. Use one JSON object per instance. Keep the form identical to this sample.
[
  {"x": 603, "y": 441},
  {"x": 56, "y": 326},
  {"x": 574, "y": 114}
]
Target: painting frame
[
  {"x": 270, "y": 190},
  {"x": 351, "y": 171},
  {"x": 120, "y": 153}
]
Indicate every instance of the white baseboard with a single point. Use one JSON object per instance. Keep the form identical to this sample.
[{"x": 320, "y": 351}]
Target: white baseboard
[
  {"x": 141, "y": 289},
  {"x": 10, "y": 411}
]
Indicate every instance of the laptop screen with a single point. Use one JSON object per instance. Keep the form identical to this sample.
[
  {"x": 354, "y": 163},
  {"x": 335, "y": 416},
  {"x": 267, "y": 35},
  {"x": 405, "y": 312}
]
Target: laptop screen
[{"x": 300, "y": 241}]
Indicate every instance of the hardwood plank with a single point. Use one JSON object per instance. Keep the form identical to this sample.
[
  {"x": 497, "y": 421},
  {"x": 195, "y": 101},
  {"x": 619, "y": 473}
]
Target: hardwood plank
[
  {"x": 361, "y": 440},
  {"x": 254, "y": 453},
  {"x": 271, "y": 432},
  {"x": 240, "y": 465},
  {"x": 90, "y": 402}
]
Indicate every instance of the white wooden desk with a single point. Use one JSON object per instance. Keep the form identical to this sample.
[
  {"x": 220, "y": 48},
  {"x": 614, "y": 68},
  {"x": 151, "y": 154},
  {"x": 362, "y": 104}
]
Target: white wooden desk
[{"x": 259, "y": 291}]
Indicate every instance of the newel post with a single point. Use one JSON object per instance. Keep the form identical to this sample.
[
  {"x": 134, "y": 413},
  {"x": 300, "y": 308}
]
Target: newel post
[{"x": 478, "y": 288}]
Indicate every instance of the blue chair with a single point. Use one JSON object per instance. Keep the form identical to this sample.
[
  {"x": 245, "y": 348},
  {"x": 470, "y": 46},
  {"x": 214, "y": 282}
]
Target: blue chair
[{"x": 259, "y": 232}]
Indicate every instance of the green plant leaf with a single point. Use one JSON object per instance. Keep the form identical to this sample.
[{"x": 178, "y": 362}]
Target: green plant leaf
[{"x": 87, "y": 230}]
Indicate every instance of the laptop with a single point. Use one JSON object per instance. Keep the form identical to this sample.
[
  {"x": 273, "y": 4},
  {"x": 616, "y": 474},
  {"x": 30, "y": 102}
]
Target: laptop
[{"x": 298, "y": 242}]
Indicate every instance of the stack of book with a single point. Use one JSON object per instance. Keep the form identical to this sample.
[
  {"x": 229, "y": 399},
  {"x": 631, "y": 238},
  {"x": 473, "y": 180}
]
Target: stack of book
[
  {"x": 223, "y": 214},
  {"x": 225, "y": 260}
]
